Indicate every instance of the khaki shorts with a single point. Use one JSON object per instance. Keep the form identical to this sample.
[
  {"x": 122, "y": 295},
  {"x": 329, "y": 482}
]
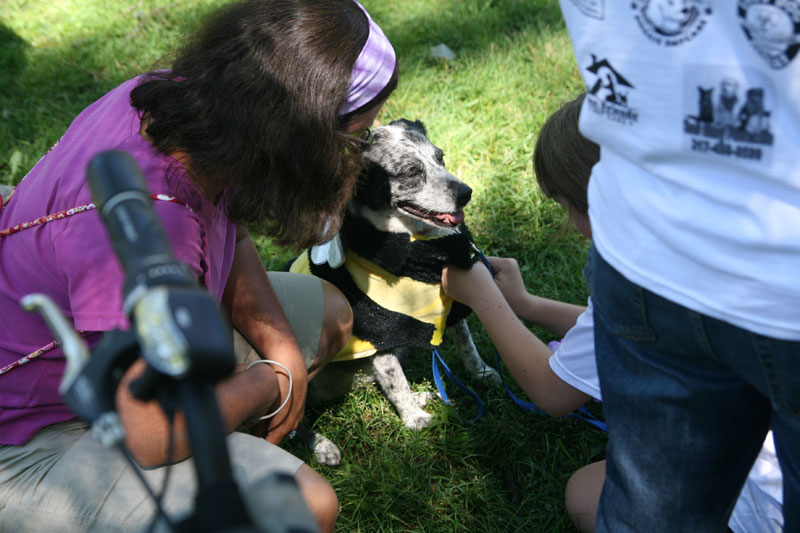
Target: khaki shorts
[
  {"x": 64, "y": 480},
  {"x": 300, "y": 296}
]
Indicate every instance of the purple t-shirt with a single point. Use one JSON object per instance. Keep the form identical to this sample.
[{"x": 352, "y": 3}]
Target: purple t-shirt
[{"x": 71, "y": 259}]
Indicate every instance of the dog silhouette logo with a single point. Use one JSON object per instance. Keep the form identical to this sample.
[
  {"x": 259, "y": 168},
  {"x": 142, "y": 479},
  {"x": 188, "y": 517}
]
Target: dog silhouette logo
[
  {"x": 773, "y": 29},
  {"x": 728, "y": 117}
]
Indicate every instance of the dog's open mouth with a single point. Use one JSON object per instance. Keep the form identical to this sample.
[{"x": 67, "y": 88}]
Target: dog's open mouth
[{"x": 447, "y": 220}]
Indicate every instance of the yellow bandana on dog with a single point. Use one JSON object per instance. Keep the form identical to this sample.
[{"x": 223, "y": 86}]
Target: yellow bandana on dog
[{"x": 425, "y": 302}]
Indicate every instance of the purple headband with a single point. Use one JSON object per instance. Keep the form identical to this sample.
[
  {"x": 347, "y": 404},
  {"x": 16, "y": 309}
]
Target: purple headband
[{"x": 373, "y": 69}]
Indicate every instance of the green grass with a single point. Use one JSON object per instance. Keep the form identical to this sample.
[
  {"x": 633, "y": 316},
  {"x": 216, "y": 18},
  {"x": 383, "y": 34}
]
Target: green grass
[{"x": 514, "y": 67}]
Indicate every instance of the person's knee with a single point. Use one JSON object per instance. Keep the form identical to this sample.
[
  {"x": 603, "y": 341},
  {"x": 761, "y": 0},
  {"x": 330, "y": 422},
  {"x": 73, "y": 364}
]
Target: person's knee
[
  {"x": 319, "y": 497},
  {"x": 582, "y": 495},
  {"x": 337, "y": 323}
]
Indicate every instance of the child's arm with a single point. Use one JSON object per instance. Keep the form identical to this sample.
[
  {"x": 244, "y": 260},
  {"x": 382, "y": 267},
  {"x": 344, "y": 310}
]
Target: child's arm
[
  {"x": 525, "y": 355},
  {"x": 554, "y": 316}
]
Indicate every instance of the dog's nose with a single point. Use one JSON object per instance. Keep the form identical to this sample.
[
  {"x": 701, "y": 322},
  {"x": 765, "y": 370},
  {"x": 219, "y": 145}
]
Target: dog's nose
[{"x": 463, "y": 194}]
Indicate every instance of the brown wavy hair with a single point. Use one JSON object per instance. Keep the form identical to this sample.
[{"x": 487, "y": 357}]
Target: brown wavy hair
[
  {"x": 252, "y": 101},
  {"x": 563, "y": 157}
]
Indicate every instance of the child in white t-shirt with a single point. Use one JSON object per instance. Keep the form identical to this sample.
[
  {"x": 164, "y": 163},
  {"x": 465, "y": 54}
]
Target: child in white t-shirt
[{"x": 561, "y": 381}]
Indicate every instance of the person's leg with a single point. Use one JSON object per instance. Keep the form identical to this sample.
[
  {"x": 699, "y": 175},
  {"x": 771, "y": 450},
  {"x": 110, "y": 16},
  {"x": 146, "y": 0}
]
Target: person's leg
[
  {"x": 336, "y": 327},
  {"x": 787, "y": 439},
  {"x": 321, "y": 319},
  {"x": 65, "y": 480},
  {"x": 582, "y": 495},
  {"x": 780, "y": 361},
  {"x": 760, "y": 504},
  {"x": 319, "y": 496},
  {"x": 684, "y": 428},
  {"x": 318, "y": 314}
]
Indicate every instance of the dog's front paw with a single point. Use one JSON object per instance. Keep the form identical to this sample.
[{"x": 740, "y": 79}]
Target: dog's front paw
[
  {"x": 423, "y": 398},
  {"x": 417, "y": 419},
  {"x": 472, "y": 360},
  {"x": 326, "y": 451},
  {"x": 488, "y": 373},
  {"x": 477, "y": 368}
]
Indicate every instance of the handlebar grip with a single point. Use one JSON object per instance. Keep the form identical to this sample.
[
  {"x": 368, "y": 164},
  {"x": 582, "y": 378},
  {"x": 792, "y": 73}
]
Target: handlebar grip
[
  {"x": 137, "y": 235},
  {"x": 124, "y": 203}
]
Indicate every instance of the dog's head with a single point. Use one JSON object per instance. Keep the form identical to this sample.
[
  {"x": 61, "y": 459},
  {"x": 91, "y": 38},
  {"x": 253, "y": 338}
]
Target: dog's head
[
  {"x": 405, "y": 187},
  {"x": 670, "y": 17}
]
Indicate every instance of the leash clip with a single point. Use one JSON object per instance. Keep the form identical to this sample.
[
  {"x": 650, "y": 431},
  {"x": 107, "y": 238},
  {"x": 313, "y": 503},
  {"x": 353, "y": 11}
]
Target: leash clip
[{"x": 481, "y": 256}]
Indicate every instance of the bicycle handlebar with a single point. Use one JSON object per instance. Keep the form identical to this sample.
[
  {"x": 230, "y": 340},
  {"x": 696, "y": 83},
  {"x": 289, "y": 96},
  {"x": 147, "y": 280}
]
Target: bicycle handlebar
[
  {"x": 179, "y": 326},
  {"x": 185, "y": 341},
  {"x": 139, "y": 241}
]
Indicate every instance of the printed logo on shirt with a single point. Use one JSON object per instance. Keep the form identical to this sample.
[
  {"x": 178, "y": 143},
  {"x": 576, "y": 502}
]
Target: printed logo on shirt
[
  {"x": 608, "y": 95},
  {"x": 728, "y": 114},
  {"x": 591, "y": 8},
  {"x": 671, "y": 22},
  {"x": 773, "y": 28}
]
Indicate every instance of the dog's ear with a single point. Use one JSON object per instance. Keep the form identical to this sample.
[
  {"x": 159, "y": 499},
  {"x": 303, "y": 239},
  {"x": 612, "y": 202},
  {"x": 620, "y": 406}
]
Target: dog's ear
[{"x": 410, "y": 125}]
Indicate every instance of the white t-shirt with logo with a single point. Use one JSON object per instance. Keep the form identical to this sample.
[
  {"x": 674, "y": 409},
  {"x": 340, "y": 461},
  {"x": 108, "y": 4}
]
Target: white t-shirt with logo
[
  {"x": 696, "y": 106},
  {"x": 758, "y": 509}
]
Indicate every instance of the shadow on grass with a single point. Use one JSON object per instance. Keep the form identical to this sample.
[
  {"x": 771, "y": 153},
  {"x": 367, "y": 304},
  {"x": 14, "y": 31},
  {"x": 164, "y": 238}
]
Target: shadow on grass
[
  {"x": 505, "y": 472},
  {"x": 43, "y": 89},
  {"x": 12, "y": 62},
  {"x": 471, "y": 27},
  {"x": 12, "y": 58},
  {"x": 50, "y": 84}
]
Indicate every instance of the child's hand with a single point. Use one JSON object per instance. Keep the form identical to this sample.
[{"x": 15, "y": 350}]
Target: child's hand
[
  {"x": 509, "y": 279},
  {"x": 467, "y": 286}
]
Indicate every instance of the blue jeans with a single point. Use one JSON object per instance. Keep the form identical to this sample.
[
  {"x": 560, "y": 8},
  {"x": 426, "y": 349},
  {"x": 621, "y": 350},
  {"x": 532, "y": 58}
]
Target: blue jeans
[{"x": 688, "y": 400}]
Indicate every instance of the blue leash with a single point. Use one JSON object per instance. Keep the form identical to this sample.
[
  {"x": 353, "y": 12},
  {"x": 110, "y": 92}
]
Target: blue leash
[
  {"x": 437, "y": 378},
  {"x": 582, "y": 412}
]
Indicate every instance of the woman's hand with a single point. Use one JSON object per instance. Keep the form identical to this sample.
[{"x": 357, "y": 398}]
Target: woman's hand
[
  {"x": 241, "y": 397},
  {"x": 269, "y": 393},
  {"x": 292, "y": 413}
]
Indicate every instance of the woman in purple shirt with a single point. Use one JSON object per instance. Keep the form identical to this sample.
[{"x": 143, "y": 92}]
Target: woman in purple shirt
[{"x": 259, "y": 122}]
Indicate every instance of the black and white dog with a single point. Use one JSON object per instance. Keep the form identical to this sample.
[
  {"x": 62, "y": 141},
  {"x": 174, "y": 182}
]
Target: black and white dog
[{"x": 405, "y": 222}]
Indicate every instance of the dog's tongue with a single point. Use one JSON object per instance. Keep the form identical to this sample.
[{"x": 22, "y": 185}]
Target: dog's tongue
[{"x": 451, "y": 218}]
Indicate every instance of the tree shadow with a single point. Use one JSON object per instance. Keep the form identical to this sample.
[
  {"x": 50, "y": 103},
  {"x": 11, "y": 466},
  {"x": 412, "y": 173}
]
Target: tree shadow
[
  {"x": 48, "y": 85},
  {"x": 12, "y": 58},
  {"x": 13, "y": 62},
  {"x": 470, "y": 28},
  {"x": 43, "y": 88}
]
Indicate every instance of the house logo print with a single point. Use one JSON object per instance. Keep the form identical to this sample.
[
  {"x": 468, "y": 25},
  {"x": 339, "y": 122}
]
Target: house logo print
[{"x": 609, "y": 94}]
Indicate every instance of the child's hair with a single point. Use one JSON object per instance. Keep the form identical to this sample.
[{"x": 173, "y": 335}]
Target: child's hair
[{"x": 563, "y": 158}]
